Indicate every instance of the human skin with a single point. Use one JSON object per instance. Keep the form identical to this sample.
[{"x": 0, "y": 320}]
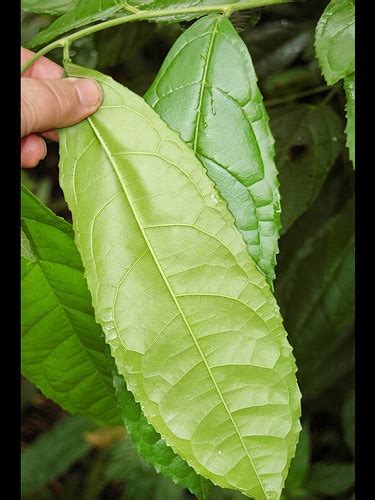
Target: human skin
[{"x": 49, "y": 102}]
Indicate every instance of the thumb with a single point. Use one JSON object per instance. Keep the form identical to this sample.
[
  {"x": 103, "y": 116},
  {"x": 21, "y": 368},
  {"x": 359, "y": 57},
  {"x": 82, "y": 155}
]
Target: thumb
[{"x": 49, "y": 104}]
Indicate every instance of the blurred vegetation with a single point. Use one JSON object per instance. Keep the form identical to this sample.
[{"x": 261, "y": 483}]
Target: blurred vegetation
[{"x": 315, "y": 271}]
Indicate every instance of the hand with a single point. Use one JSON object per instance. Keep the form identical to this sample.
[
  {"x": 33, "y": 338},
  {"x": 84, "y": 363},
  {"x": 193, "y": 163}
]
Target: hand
[{"x": 49, "y": 102}]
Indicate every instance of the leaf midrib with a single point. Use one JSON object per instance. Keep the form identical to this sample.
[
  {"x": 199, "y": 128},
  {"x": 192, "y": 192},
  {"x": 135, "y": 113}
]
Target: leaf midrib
[{"x": 115, "y": 168}]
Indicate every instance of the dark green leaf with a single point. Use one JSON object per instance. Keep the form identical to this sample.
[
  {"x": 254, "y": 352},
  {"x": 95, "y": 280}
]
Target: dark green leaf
[
  {"x": 53, "y": 453},
  {"x": 300, "y": 465},
  {"x": 349, "y": 85},
  {"x": 53, "y": 7},
  {"x": 206, "y": 90},
  {"x": 62, "y": 350},
  {"x": 206, "y": 357},
  {"x": 334, "y": 40},
  {"x": 274, "y": 45},
  {"x": 316, "y": 294},
  {"x": 330, "y": 479},
  {"x": 348, "y": 421},
  {"x": 89, "y": 11},
  {"x": 115, "y": 45},
  {"x": 308, "y": 140}
]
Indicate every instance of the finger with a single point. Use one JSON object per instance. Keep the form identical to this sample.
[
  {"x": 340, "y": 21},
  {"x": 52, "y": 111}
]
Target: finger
[
  {"x": 33, "y": 149},
  {"x": 52, "y": 135},
  {"x": 49, "y": 104},
  {"x": 42, "y": 69}
]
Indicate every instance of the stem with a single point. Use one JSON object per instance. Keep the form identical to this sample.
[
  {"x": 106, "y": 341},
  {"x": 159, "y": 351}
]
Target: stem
[
  {"x": 294, "y": 97},
  {"x": 145, "y": 15}
]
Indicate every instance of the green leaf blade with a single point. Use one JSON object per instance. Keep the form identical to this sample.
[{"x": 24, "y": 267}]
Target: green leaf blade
[
  {"x": 62, "y": 351},
  {"x": 52, "y": 7},
  {"x": 206, "y": 90},
  {"x": 349, "y": 85},
  {"x": 334, "y": 40},
  {"x": 308, "y": 141},
  {"x": 152, "y": 203},
  {"x": 53, "y": 452}
]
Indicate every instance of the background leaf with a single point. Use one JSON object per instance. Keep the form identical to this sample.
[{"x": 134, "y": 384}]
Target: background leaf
[
  {"x": 162, "y": 196},
  {"x": 334, "y": 40},
  {"x": 331, "y": 479},
  {"x": 206, "y": 91},
  {"x": 62, "y": 348},
  {"x": 53, "y": 453},
  {"x": 308, "y": 141},
  {"x": 300, "y": 465},
  {"x": 89, "y": 11},
  {"x": 349, "y": 85},
  {"x": 348, "y": 421},
  {"x": 54, "y": 7},
  {"x": 316, "y": 295}
]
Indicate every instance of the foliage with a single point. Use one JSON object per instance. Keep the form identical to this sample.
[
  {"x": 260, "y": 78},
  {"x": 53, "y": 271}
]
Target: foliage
[{"x": 197, "y": 403}]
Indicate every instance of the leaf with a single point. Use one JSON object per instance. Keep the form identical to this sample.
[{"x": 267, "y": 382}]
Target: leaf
[
  {"x": 274, "y": 45},
  {"x": 334, "y": 40},
  {"x": 114, "y": 45},
  {"x": 316, "y": 294},
  {"x": 331, "y": 479},
  {"x": 62, "y": 351},
  {"x": 206, "y": 91},
  {"x": 149, "y": 443},
  {"x": 140, "y": 481},
  {"x": 191, "y": 321},
  {"x": 308, "y": 141},
  {"x": 89, "y": 11},
  {"x": 348, "y": 421},
  {"x": 300, "y": 465},
  {"x": 53, "y": 7},
  {"x": 53, "y": 453},
  {"x": 349, "y": 85}
]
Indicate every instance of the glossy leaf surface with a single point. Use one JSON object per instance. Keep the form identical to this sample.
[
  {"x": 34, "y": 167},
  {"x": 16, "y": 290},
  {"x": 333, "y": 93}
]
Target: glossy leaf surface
[
  {"x": 151, "y": 446},
  {"x": 191, "y": 321},
  {"x": 349, "y": 85},
  {"x": 89, "y": 11},
  {"x": 334, "y": 40},
  {"x": 62, "y": 349},
  {"x": 53, "y": 453},
  {"x": 206, "y": 90},
  {"x": 308, "y": 141}
]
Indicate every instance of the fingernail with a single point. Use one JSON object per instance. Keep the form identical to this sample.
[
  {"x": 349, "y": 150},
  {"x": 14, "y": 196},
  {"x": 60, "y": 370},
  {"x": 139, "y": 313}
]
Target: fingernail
[
  {"x": 45, "y": 151},
  {"x": 89, "y": 91}
]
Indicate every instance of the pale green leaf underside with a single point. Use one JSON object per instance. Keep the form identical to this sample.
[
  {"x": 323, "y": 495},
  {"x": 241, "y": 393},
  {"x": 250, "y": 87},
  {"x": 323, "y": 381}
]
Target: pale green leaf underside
[
  {"x": 308, "y": 141},
  {"x": 349, "y": 85},
  {"x": 57, "y": 358},
  {"x": 206, "y": 91},
  {"x": 89, "y": 11},
  {"x": 62, "y": 351},
  {"x": 191, "y": 321},
  {"x": 335, "y": 40},
  {"x": 149, "y": 443}
]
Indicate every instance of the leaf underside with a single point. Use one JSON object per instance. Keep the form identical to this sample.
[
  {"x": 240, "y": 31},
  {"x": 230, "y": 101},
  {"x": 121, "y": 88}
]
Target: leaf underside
[
  {"x": 206, "y": 91},
  {"x": 334, "y": 40},
  {"x": 191, "y": 321},
  {"x": 50, "y": 368},
  {"x": 52, "y": 7},
  {"x": 62, "y": 349}
]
